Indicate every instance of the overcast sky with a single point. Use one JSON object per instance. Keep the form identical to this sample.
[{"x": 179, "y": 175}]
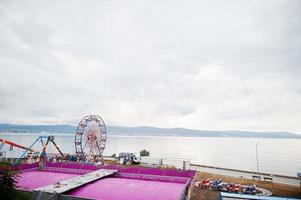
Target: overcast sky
[{"x": 193, "y": 64}]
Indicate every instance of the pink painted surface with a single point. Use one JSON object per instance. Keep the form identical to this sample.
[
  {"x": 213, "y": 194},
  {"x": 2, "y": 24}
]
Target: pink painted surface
[
  {"x": 129, "y": 189},
  {"x": 122, "y": 169},
  {"x": 30, "y": 180}
]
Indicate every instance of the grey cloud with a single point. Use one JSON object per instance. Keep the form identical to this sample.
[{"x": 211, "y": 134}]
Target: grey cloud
[{"x": 207, "y": 65}]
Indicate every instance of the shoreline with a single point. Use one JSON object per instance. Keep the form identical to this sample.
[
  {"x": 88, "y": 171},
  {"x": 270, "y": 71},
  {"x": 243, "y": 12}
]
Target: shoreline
[{"x": 150, "y": 135}]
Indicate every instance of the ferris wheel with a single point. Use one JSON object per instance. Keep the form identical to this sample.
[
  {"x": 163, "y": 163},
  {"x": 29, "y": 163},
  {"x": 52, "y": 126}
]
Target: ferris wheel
[{"x": 90, "y": 138}]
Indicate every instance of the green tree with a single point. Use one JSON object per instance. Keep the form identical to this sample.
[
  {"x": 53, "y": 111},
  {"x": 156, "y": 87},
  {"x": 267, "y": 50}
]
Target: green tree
[
  {"x": 144, "y": 152},
  {"x": 8, "y": 183}
]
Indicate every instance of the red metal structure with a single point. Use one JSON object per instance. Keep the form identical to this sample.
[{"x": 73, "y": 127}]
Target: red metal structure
[{"x": 12, "y": 144}]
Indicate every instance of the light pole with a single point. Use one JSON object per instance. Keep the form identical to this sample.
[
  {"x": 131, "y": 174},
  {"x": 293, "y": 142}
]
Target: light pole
[
  {"x": 257, "y": 157},
  {"x": 115, "y": 146}
]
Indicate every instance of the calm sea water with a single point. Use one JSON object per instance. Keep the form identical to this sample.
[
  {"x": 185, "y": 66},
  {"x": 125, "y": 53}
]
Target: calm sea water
[{"x": 278, "y": 156}]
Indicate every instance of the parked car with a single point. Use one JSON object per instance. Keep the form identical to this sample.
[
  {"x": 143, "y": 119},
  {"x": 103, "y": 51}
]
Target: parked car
[{"x": 130, "y": 158}]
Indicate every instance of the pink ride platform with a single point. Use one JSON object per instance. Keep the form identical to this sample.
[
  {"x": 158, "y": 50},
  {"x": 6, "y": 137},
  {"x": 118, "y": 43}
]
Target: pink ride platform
[
  {"x": 30, "y": 180},
  {"x": 126, "y": 189},
  {"x": 133, "y": 183}
]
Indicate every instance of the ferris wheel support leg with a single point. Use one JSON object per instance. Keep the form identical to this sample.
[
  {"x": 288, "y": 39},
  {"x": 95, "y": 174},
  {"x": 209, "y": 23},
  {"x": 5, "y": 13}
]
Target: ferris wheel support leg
[
  {"x": 58, "y": 148},
  {"x": 102, "y": 160},
  {"x": 43, "y": 154}
]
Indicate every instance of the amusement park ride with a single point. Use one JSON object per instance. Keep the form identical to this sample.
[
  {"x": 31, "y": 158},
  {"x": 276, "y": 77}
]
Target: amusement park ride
[
  {"x": 219, "y": 185},
  {"x": 12, "y": 144},
  {"x": 43, "y": 154},
  {"x": 29, "y": 152},
  {"x": 90, "y": 140}
]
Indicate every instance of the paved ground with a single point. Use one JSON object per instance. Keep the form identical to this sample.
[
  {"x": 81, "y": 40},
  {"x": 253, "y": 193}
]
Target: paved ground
[{"x": 294, "y": 181}]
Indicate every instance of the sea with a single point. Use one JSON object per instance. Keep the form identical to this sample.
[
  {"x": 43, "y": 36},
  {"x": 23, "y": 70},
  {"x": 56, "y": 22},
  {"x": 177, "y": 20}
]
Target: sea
[{"x": 275, "y": 156}]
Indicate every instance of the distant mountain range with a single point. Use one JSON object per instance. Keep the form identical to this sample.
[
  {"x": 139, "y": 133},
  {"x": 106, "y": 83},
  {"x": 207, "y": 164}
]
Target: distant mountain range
[{"x": 147, "y": 131}]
